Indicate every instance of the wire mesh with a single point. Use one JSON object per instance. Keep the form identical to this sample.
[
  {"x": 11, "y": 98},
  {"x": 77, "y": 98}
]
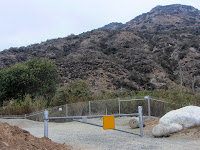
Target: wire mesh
[
  {"x": 98, "y": 107},
  {"x": 36, "y": 116},
  {"x": 127, "y": 105},
  {"x": 158, "y": 109},
  {"x": 104, "y": 107}
]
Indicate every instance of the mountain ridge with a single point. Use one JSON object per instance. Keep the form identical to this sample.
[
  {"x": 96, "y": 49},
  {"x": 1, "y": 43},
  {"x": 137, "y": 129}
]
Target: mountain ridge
[{"x": 153, "y": 50}]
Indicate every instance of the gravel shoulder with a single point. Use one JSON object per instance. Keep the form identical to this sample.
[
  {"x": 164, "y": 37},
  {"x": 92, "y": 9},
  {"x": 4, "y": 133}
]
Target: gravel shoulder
[{"x": 86, "y": 137}]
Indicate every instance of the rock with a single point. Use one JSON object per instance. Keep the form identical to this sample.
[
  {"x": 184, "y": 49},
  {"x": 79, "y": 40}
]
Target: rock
[
  {"x": 175, "y": 127},
  {"x": 162, "y": 130},
  {"x": 177, "y": 120},
  {"x": 134, "y": 123},
  {"x": 187, "y": 117}
]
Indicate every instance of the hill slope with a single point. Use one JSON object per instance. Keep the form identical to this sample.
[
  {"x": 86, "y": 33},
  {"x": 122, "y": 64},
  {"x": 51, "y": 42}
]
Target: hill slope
[{"x": 150, "y": 51}]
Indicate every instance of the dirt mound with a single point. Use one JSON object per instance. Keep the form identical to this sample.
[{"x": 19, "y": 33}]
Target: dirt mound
[
  {"x": 189, "y": 134},
  {"x": 14, "y": 138},
  {"x": 150, "y": 122}
]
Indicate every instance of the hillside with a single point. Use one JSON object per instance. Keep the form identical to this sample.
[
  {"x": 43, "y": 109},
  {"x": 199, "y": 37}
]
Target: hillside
[{"x": 148, "y": 52}]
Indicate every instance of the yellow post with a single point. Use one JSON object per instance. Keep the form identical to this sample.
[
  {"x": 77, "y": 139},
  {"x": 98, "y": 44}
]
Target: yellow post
[{"x": 108, "y": 122}]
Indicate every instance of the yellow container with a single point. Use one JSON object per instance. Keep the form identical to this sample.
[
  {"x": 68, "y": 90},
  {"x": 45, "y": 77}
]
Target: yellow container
[{"x": 108, "y": 122}]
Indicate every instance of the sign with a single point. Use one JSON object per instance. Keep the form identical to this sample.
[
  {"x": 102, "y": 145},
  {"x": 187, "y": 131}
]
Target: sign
[{"x": 108, "y": 122}]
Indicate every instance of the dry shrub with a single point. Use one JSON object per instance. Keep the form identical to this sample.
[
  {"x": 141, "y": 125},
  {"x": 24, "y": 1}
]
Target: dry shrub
[{"x": 19, "y": 107}]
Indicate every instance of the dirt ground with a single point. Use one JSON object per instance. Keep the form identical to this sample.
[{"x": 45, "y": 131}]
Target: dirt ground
[
  {"x": 14, "y": 138},
  {"x": 189, "y": 134},
  {"x": 80, "y": 136}
]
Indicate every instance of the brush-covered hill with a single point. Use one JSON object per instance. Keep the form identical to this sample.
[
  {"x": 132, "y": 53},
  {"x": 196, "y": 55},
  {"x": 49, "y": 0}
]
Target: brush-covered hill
[{"x": 151, "y": 51}]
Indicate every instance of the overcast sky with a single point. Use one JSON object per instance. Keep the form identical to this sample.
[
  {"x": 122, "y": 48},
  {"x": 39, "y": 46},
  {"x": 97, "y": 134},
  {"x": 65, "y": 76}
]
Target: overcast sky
[{"x": 25, "y": 22}]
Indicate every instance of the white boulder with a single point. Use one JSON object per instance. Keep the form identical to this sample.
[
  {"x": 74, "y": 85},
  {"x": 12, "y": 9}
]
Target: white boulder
[
  {"x": 177, "y": 120},
  {"x": 162, "y": 130}
]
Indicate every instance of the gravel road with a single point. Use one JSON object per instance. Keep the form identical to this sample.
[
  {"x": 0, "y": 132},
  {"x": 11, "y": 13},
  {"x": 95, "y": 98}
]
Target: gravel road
[{"x": 88, "y": 137}]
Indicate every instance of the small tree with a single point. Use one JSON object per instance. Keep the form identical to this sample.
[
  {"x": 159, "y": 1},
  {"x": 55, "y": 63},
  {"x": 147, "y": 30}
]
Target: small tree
[
  {"x": 13, "y": 82},
  {"x": 43, "y": 77},
  {"x": 37, "y": 77}
]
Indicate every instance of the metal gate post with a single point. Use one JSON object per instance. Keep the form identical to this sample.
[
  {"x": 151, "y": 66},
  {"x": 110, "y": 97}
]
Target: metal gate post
[
  {"x": 89, "y": 108},
  {"x": 66, "y": 110},
  {"x": 149, "y": 106},
  {"x": 46, "y": 123},
  {"x": 140, "y": 120},
  {"x": 119, "y": 105}
]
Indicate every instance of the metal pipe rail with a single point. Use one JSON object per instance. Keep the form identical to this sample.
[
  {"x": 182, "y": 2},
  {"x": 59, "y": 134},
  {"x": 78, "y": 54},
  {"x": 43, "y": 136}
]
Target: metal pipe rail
[
  {"x": 132, "y": 100},
  {"x": 97, "y": 116},
  {"x": 159, "y": 100},
  {"x": 102, "y": 126}
]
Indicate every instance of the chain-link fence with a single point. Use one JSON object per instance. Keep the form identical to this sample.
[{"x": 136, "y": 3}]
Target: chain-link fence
[
  {"x": 12, "y": 116},
  {"x": 36, "y": 116},
  {"x": 107, "y": 107}
]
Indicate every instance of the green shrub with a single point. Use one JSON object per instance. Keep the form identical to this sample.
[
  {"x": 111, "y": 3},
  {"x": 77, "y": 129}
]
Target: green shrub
[{"x": 78, "y": 91}]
